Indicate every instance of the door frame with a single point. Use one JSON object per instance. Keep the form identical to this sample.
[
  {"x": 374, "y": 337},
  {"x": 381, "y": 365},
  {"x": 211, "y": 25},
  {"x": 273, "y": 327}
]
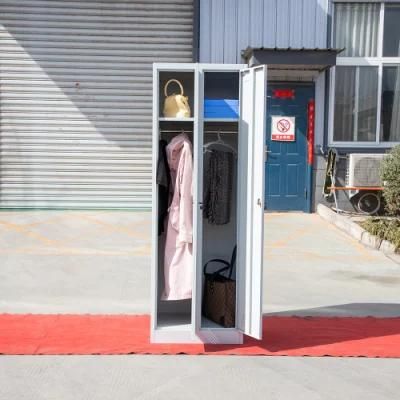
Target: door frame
[
  {"x": 204, "y": 334},
  {"x": 309, "y": 151}
]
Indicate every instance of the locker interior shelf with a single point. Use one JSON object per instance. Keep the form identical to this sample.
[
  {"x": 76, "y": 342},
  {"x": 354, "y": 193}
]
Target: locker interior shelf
[
  {"x": 167, "y": 124},
  {"x": 165, "y": 119},
  {"x": 207, "y": 324},
  {"x": 174, "y": 321},
  {"x": 206, "y": 132},
  {"x": 221, "y": 119}
]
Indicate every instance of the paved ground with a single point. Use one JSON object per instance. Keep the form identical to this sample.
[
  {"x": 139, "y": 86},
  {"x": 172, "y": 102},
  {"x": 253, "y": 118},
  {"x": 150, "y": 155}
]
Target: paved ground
[
  {"x": 98, "y": 262},
  {"x": 312, "y": 268},
  {"x": 187, "y": 378}
]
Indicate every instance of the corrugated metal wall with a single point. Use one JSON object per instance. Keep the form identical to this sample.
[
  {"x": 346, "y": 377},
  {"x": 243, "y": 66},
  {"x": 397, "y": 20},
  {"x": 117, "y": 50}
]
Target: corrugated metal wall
[
  {"x": 75, "y": 98},
  {"x": 228, "y": 26}
]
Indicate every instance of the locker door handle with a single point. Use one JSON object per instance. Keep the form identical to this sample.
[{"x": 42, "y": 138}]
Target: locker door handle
[{"x": 259, "y": 202}]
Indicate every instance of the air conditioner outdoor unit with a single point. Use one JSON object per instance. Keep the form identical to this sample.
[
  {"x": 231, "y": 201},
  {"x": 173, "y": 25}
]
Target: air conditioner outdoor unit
[{"x": 364, "y": 170}]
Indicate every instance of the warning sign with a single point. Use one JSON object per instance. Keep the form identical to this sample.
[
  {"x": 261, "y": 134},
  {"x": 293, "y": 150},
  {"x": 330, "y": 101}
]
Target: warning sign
[{"x": 283, "y": 129}]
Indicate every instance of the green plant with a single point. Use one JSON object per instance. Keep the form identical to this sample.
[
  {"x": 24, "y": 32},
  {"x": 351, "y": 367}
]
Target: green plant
[
  {"x": 387, "y": 229},
  {"x": 390, "y": 174}
]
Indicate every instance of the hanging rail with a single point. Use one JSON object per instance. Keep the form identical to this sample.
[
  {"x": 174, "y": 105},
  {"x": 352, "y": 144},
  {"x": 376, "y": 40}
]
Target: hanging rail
[{"x": 190, "y": 131}]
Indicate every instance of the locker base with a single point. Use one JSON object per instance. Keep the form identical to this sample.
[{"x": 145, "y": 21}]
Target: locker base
[{"x": 184, "y": 334}]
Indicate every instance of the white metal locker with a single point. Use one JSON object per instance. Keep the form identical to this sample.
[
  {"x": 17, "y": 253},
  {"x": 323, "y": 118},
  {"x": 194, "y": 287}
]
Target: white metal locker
[{"x": 183, "y": 321}]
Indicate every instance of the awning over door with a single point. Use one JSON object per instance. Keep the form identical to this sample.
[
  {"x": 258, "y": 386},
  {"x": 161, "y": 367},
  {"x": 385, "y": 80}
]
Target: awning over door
[{"x": 290, "y": 58}]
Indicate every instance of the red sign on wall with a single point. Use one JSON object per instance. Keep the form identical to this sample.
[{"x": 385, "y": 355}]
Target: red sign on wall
[
  {"x": 283, "y": 93},
  {"x": 310, "y": 131}
]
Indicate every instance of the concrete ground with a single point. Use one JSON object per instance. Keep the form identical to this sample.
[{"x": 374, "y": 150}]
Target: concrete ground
[
  {"x": 98, "y": 262},
  {"x": 197, "y": 378}
]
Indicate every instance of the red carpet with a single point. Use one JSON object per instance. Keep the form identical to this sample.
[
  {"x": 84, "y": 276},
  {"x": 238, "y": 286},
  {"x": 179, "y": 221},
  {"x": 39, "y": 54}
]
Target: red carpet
[{"x": 125, "y": 334}]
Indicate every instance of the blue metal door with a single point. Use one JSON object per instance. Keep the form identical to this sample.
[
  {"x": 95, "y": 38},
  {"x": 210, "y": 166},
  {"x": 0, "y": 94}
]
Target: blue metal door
[{"x": 286, "y": 186}]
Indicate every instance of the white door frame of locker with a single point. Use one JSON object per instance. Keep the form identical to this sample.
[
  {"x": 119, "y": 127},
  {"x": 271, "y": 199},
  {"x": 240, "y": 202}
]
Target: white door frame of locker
[
  {"x": 251, "y": 187},
  {"x": 207, "y": 335},
  {"x": 166, "y": 335}
]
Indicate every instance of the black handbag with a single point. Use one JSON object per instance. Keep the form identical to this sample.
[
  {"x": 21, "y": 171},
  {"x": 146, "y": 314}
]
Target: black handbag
[{"x": 219, "y": 296}]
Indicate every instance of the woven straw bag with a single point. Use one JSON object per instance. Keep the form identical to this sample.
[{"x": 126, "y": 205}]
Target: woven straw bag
[{"x": 176, "y": 105}]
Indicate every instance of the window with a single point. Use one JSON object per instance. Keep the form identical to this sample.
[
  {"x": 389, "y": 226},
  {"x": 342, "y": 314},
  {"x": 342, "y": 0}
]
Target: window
[
  {"x": 391, "y": 33},
  {"x": 390, "y": 111},
  {"x": 355, "y": 104},
  {"x": 365, "y": 84},
  {"x": 357, "y": 29}
]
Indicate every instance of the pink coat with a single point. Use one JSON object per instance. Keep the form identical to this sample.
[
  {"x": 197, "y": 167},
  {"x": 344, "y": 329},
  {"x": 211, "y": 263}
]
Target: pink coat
[{"x": 178, "y": 257}]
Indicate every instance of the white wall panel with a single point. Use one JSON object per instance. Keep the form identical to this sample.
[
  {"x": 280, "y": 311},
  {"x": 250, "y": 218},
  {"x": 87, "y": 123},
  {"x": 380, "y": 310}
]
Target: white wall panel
[
  {"x": 257, "y": 22},
  {"x": 269, "y": 27},
  {"x": 321, "y": 23},
  {"x": 260, "y": 23},
  {"x": 230, "y": 37},
  {"x": 243, "y": 32},
  {"x": 296, "y": 24},
  {"x": 205, "y": 26},
  {"x": 217, "y": 18},
  {"x": 282, "y": 39},
  {"x": 309, "y": 30},
  {"x": 76, "y": 97}
]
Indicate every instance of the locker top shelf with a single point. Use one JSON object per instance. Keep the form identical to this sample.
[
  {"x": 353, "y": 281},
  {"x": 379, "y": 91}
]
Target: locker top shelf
[
  {"x": 163, "y": 119},
  {"x": 221, "y": 119}
]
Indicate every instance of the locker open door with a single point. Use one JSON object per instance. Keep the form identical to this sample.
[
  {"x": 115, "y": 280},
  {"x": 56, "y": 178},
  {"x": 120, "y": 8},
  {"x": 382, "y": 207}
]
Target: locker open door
[{"x": 252, "y": 129}]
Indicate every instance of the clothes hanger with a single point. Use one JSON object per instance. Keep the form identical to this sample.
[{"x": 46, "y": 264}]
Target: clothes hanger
[{"x": 220, "y": 142}]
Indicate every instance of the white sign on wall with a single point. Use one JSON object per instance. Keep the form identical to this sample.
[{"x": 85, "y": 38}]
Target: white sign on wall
[{"x": 283, "y": 128}]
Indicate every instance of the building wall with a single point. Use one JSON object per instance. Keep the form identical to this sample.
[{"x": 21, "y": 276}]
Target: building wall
[{"x": 228, "y": 26}]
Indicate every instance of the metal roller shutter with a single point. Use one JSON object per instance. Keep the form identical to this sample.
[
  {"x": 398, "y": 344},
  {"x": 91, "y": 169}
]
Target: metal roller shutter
[{"x": 75, "y": 98}]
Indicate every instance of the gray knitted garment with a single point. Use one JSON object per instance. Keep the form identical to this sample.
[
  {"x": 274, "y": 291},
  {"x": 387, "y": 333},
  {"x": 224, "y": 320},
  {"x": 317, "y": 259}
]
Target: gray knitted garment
[{"x": 218, "y": 173}]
